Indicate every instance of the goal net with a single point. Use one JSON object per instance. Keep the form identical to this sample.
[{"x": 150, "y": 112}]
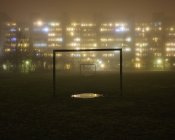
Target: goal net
[{"x": 88, "y": 69}]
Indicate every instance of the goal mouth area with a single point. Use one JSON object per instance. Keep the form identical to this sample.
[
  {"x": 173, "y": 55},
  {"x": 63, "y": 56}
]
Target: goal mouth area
[
  {"x": 86, "y": 95},
  {"x": 94, "y": 95}
]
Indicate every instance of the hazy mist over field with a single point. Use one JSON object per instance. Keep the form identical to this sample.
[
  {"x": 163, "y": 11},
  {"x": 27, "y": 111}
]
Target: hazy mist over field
[{"x": 84, "y": 9}]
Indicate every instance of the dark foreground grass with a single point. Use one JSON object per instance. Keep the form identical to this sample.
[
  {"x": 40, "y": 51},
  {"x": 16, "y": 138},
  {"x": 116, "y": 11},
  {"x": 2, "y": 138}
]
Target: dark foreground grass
[{"x": 29, "y": 112}]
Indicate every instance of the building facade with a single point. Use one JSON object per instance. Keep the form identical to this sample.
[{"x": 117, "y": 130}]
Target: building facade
[{"x": 146, "y": 45}]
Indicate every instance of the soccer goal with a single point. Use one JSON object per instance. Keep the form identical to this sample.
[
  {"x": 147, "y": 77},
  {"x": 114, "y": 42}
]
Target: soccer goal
[{"x": 85, "y": 68}]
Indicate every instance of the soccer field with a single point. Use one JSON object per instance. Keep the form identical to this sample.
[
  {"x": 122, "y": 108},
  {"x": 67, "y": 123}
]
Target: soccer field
[{"x": 145, "y": 111}]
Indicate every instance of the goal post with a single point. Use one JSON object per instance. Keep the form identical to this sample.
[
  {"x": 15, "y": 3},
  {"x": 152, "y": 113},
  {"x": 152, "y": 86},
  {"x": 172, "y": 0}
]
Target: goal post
[{"x": 87, "y": 50}]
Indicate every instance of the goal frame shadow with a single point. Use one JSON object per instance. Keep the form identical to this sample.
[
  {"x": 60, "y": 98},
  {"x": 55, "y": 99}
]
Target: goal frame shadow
[{"x": 87, "y": 50}]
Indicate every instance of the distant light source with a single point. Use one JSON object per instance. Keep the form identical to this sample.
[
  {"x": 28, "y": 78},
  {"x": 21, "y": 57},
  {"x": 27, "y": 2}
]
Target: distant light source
[
  {"x": 166, "y": 60},
  {"x": 4, "y": 67},
  {"x": 129, "y": 39},
  {"x": 99, "y": 61},
  {"x": 13, "y": 39},
  {"x": 138, "y": 65},
  {"x": 27, "y": 62},
  {"x": 77, "y": 48},
  {"x": 102, "y": 65},
  {"x": 159, "y": 61},
  {"x": 77, "y": 39},
  {"x": 147, "y": 28},
  {"x": 127, "y": 49},
  {"x": 39, "y": 23},
  {"x": 54, "y": 24},
  {"x": 46, "y": 29},
  {"x": 121, "y": 29},
  {"x": 171, "y": 29},
  {"x": 13, "y": 30}
]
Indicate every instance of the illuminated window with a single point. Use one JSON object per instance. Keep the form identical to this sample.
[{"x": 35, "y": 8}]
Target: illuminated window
[{"x": 40, "y": 45}]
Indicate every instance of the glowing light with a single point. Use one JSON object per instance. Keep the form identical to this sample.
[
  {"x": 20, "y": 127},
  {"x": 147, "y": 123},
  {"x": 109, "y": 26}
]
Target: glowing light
[
  {"x": 138, "y": 29},
  {"x": 70, "y": 29},
  {"x": 13, "y": 30},
  {"x": 27, "y": 62},
  {"x": 155, "y": 39},
  {"x": 138, "y": 65},
  {"x": 127, "y": 49},
  {"x": 54, "y": 24},
  {"x": 95, "y": 45},
  {"x": 46, "y": 29},
  {"x": 121, "y": 28},
  {"x": 102, "y": 65},
  {"x": 166, "y": 60},
  {"x": 74, "y": 24},
  {"x": 147, "y": 28},
  {"x": 40, "y": 45},
  {"x": 86, "y": 95},
  {"x": 39, "y": 23},
  {"x": 171, "y": 29},
  {"x": 84, "y": 55},
  {"x": 159, "y": 61},
  {"x": 99, "y": 61},
  {"x": 141, "y": 44},
  {"x": 77, "y": 39},
  {"x": 160, "y": 28},
  {"x": 4, "y": 67},
  {"x": 60, "y": 39},
  {"x": 77, "y": 48},
  {"x": 52, "y": 34},
  {"x": 170, "y": 50},
  {"x": 170, "y": 44},
  {"x": 7, "y": 50},
  {"x": 137, "y": 59},
  {"x": 72, "y": 34},
  {"x": 67, "y": 66},
  {"x": 129, "y": 39},
  {"x": 13, "y": 39}
]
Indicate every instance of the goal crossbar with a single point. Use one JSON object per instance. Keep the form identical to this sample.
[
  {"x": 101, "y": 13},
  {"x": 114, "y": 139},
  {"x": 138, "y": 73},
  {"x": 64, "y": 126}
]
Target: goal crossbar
[{"x": 87, "y": 50}]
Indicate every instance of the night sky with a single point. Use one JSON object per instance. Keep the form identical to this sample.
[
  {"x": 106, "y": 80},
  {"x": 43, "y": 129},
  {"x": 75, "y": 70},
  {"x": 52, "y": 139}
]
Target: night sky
[{"x": 26, "y": 9}]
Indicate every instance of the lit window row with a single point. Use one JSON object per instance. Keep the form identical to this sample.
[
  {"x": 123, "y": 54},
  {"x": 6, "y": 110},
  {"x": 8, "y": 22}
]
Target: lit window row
[
  {"x": 74, "y": 44},
  {"x": 11, "y": 24},
  {"x": 141, "y": 44},
  {"x": 171, "y": 29},
  {"x": 23, "y": 45},
  {"x": 87, "y": 24},
  {"x": 141, "y": 29},
  {"x": 171, "y": 34},
  {"x": 155, "y": 39},
  {"x": 140, "y": 49},
  {"x": 82, "y": 55},
  {"x": 170, "y": 44},
  {"x": 54, "y": 45},
  {"x": 7, "y": 50},
  {"x": 170, "y": 55},
  {"x": 40, "y": 45},
  {"x": 109, "y": 55},
  {"x": 56, "y": 39},
  {"x": 85, "y": 45},
  {"x": 106, "y": 29},
  {"x": 54, "y": 24},
  {"x": 170, "y": 49}
]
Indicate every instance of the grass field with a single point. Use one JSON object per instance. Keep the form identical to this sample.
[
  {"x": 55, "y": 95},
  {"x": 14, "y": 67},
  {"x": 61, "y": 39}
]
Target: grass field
[{"x": 29, "y": 111}]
